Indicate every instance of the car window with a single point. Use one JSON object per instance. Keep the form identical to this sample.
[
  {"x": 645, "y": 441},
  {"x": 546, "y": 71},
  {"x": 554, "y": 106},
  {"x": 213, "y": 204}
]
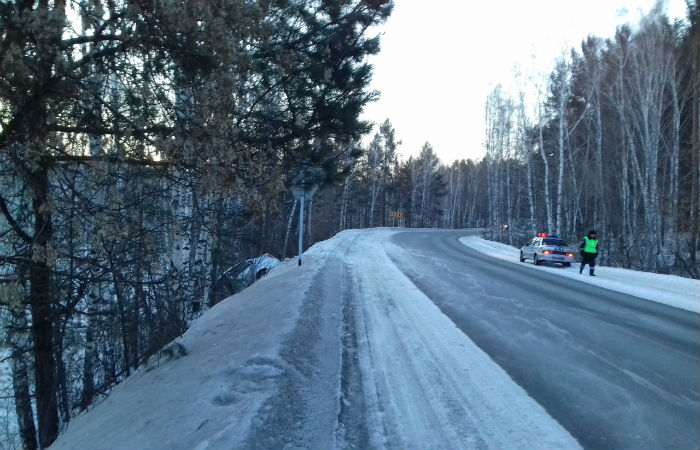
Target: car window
[{"x": 552, "y": 241}]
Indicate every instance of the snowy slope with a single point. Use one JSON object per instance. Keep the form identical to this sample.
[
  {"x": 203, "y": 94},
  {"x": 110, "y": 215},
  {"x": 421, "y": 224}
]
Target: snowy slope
[{"x": 341, "y": 352}]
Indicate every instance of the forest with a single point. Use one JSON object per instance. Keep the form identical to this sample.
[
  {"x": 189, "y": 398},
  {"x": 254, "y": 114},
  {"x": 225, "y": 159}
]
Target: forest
[
  {"x": 146, "y": 146},
  {"x": 611, "y": 145}
]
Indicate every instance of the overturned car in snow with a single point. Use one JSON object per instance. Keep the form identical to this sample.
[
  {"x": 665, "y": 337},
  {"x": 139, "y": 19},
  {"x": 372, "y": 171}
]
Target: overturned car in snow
[{"x": 241, "y": 275}]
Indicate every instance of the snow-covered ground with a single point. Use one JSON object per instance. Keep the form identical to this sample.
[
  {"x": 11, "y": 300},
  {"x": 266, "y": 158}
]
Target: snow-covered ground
[
  {"x": 668, "y": 289},
  {"x": 341, "y": 352}
]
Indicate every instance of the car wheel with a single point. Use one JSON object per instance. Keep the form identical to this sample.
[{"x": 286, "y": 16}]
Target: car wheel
[
  {"x": 522, "y": 257},
  {"x": 567, "y": 264},
  {"x": 536, "y": 260},
  {"x": 261, "y": 273}
]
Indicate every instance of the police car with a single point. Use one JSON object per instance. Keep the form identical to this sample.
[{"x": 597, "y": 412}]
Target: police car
[{"x": 547, "y": 248}]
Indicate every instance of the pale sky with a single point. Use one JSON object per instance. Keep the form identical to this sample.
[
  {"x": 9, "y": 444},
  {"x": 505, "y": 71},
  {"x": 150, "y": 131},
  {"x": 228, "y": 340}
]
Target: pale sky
[{"x": 440, "y": 59}]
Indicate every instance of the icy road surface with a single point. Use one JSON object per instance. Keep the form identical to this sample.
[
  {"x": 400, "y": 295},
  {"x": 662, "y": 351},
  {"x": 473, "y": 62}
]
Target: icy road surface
[
  {"x": 615, "y": 370},
  {"x": 413, "y": 340}
]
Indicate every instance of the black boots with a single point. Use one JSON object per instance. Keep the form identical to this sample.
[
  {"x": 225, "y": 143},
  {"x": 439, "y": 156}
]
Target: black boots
[{"x": 580, "y": 270}]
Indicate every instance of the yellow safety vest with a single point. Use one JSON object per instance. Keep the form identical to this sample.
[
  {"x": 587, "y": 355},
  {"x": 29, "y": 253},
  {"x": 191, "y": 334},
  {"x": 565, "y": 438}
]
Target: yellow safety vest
[{"x": 590, "y": 245}]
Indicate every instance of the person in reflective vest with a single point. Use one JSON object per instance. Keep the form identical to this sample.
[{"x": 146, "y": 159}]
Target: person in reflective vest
[{"x": 589, "y": 251}]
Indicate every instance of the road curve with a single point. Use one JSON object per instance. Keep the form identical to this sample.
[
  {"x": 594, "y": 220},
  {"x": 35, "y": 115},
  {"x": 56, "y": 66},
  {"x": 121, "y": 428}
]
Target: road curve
[{"x": 615, "y": 370}]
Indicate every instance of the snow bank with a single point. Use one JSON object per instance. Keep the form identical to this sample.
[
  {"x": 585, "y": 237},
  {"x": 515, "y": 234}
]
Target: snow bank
[{"x": 671, "y": 290}]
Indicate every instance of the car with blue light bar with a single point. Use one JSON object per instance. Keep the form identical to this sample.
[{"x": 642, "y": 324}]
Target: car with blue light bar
[{"x": 546, "y": 248}]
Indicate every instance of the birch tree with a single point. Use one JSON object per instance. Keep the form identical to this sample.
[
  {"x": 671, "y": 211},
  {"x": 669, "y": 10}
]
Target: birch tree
[
  {"x": 526, "y": 151},
  {"x": 19, "y": 344},
  {"x": 374, "y": 159},
  {"x": 388, "y": 165},
  {"x": 650, "y": 65},
  {"x": 560, "y": 94},
  {"x": 592, "y": 52}
]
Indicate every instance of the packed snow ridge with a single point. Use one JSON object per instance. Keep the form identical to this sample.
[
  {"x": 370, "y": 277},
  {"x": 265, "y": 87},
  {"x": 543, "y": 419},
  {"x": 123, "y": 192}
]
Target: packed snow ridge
[{"x": 341, "y": 352}]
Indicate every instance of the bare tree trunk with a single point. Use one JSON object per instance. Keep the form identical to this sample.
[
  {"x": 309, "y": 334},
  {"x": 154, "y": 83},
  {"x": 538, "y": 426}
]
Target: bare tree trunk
[
  {"x": 564, "y": 98},
  {"x": 308, "y": 223},
  {"x": 494, "y": 157},
  {"x": 414, "y": 192},
  {"x": 492, "y": 188},
  {"x": 40, "y": 301},
  {"x": 200, "y": 266},
  {"x": 456, "y": 192},
  {"x": 374, "y": 161},
  {"x": 671, "y": 222},
  {"x": 575, "y": 204},
  {"x": 526, "y": 152},
  {"x": 139, "y": 303},
  {"x": 289, "y": 227},
  {"x": 344, "y": 202},
  {"x": 208, "y": 244},
  {"x": 19, "y": 342},
  {"x": 509, "y": 199},
  {"x": 88, "y": 393},
  {"x": 424, "y": 195},
  {"x": 600, "y": 200},
  {"x": 179, "y": 251},
  {"x": 470, "y": 211},
  {"x": 545, "y": 161},
  {"x": 64, "y": 408}
]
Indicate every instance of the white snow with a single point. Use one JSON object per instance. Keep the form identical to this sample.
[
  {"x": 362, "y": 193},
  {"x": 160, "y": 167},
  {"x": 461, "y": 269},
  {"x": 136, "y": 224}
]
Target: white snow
[
  {"x": 343, "y": 351},
  {"x": 671, "y": 290}
]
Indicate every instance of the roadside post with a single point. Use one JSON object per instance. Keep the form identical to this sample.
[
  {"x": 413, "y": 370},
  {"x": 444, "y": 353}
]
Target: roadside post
[{"x": 302, "y": 193}]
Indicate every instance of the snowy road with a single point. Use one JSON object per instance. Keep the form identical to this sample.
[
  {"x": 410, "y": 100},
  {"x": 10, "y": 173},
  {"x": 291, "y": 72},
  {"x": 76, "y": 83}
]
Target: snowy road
[
  {"x": 425, "y": 384},
  {"x": 413, "y": 340},
  {"x": 616, "y": 371},
  {"x": 406, "y": 377}
]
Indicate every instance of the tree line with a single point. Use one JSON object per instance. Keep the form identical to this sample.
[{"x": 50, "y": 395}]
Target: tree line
[{"x": 612, "y": 144}]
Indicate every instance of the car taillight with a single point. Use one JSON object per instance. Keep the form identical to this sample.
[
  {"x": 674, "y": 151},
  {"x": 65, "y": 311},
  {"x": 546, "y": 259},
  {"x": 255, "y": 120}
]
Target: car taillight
[
  {"x": 569, "y": 254},
  {"x": 546, "y": 252}
]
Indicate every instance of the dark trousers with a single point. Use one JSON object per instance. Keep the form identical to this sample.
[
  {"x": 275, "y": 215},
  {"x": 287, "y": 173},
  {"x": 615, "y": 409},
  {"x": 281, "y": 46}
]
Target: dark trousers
[{"x": 588, "y": 258}]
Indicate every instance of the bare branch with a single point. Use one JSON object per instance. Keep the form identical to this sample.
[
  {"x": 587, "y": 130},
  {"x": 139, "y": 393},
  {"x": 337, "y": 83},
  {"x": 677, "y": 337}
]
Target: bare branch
[{"x": 15, "y": 226}]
